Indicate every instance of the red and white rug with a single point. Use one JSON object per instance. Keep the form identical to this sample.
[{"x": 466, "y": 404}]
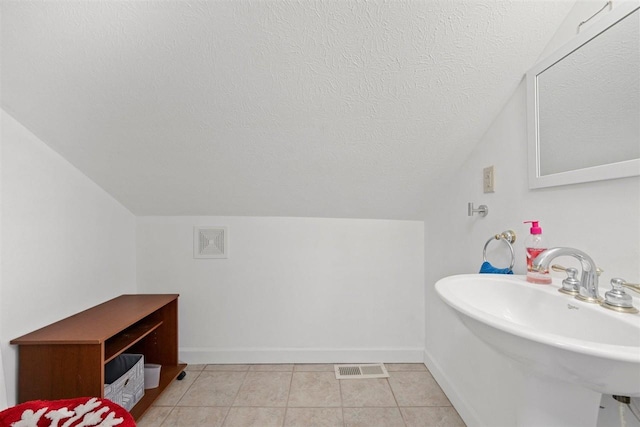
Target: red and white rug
[{"x": 80, "y": 412}]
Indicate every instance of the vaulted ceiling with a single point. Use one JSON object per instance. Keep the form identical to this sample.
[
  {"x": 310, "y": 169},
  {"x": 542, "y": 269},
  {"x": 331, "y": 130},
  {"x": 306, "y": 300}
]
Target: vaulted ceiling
[{"x": 341, "y": 108}]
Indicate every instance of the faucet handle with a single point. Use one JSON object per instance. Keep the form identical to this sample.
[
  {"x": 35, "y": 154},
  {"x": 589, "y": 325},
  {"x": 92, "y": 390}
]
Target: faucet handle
[
  {"x": 570, "y": 285},
  {"x": 633, "y": 286},
  {"x": 617, "y": 299},
  {"x": 560, "y": 268}
]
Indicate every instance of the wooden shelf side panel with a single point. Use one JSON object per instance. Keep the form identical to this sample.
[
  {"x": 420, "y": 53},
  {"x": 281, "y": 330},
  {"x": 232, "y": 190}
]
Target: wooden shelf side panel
[{"x": 50, "y": 372}]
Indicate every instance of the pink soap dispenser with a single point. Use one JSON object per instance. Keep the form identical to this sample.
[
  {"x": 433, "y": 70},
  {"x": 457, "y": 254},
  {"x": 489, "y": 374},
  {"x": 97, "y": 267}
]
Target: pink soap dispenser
[{"x": 534, "y": 246}]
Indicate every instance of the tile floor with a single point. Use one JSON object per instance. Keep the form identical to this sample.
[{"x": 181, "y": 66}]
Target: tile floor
[{"x": 301, "y": 395}]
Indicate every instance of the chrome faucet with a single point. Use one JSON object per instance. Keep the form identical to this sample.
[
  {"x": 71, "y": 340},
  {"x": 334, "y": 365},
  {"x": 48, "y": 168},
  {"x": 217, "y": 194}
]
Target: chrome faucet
[{"x": 588, "y": 290}]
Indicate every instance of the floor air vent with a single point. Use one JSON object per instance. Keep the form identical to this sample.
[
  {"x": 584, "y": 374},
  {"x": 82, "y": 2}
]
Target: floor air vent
[{"x": 345, "y": 372}]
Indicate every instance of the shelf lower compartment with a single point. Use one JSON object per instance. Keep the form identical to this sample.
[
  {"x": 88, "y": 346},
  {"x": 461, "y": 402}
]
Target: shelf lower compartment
[{"x": 168, "y": 374}]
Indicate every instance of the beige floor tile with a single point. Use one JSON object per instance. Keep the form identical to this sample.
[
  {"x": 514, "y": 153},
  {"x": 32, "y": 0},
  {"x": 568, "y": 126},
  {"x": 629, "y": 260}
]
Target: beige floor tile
[
  {"x": 372, "y": 417},
  {"x": 313, "y": 417},
  {"x": 280, "y": 367},
  {"x": 255, "y": 417},
  {"x": 313, "y": 367},
  {"x": 172, "y": 394},
  {"x": 417, "y": 389},
  {"x": 444, "y": 416},
  {"x": 264, "y": 389},
  {"x": 194, "y": 368},
  {"x": 239, "y": 368},
  {"x": 213, "y": 389},
  {"x": 366, "y": 392},
  {"x": 314, "y": 389},
  {"x": 405, "y": 367},
  {"x": 301, "y": 395},
  {"x": 191, "y": 417},
  {"x": 154, "y": 416}
]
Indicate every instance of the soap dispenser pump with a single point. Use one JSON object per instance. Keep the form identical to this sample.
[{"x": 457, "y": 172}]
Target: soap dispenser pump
[{"x": 534, "y": 245}]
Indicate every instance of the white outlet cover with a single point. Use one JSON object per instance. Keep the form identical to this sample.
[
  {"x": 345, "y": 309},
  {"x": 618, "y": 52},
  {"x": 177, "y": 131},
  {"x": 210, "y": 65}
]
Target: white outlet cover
[
  {"x": 210, "y": 242},
  {"x": 488, "y": 179}
]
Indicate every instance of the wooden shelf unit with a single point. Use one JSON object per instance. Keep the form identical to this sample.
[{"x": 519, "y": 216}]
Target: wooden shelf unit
[{"x": 66, "y": 359}]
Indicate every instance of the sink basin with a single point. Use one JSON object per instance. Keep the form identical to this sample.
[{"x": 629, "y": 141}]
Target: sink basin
[{"x": 550, "y": 335}]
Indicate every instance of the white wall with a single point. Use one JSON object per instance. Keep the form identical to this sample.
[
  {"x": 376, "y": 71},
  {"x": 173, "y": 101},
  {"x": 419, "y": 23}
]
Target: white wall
[
  {"x": 292, "y": 289},
  {"x": 600, "y": 218},
  {"x": 3, "y": 388},
  {"x": 66, "y": 244}
]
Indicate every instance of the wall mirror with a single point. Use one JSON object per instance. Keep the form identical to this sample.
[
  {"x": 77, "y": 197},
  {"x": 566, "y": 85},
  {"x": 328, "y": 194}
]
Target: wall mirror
[{"x": 584, "y": 105}]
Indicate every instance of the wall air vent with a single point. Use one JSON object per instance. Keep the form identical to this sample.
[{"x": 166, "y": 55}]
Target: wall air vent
[{"x": 210, "y": 242}]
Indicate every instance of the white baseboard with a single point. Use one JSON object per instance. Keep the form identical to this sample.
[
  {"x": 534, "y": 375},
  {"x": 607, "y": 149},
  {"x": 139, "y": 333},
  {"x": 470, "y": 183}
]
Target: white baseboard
[
  {"x": 466, "y": 411},
  {"x": 194, "y": 355}
]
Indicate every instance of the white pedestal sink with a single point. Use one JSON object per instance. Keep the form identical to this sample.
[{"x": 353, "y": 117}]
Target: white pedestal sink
[{"x": 569, "y": 352}]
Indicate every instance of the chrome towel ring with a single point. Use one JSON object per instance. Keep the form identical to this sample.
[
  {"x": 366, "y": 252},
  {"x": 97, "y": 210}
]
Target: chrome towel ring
[{"x": 508, "y": 237}]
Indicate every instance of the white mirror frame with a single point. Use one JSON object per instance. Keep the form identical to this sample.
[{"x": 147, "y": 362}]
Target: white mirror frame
[{"x": 597, "y": 173}]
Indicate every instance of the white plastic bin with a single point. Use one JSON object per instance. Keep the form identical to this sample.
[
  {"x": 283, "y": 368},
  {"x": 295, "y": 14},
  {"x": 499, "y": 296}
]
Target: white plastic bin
[
  {"x": 151, "y": 375},
  {"x": 123, "y": 380}
]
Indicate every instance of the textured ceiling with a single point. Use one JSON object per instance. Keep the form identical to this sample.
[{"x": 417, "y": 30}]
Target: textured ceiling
[{"x": 336, "y": 108}]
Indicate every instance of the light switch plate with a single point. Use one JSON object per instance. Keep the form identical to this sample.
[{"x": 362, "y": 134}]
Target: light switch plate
[{"x": 488, "y": 180}]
